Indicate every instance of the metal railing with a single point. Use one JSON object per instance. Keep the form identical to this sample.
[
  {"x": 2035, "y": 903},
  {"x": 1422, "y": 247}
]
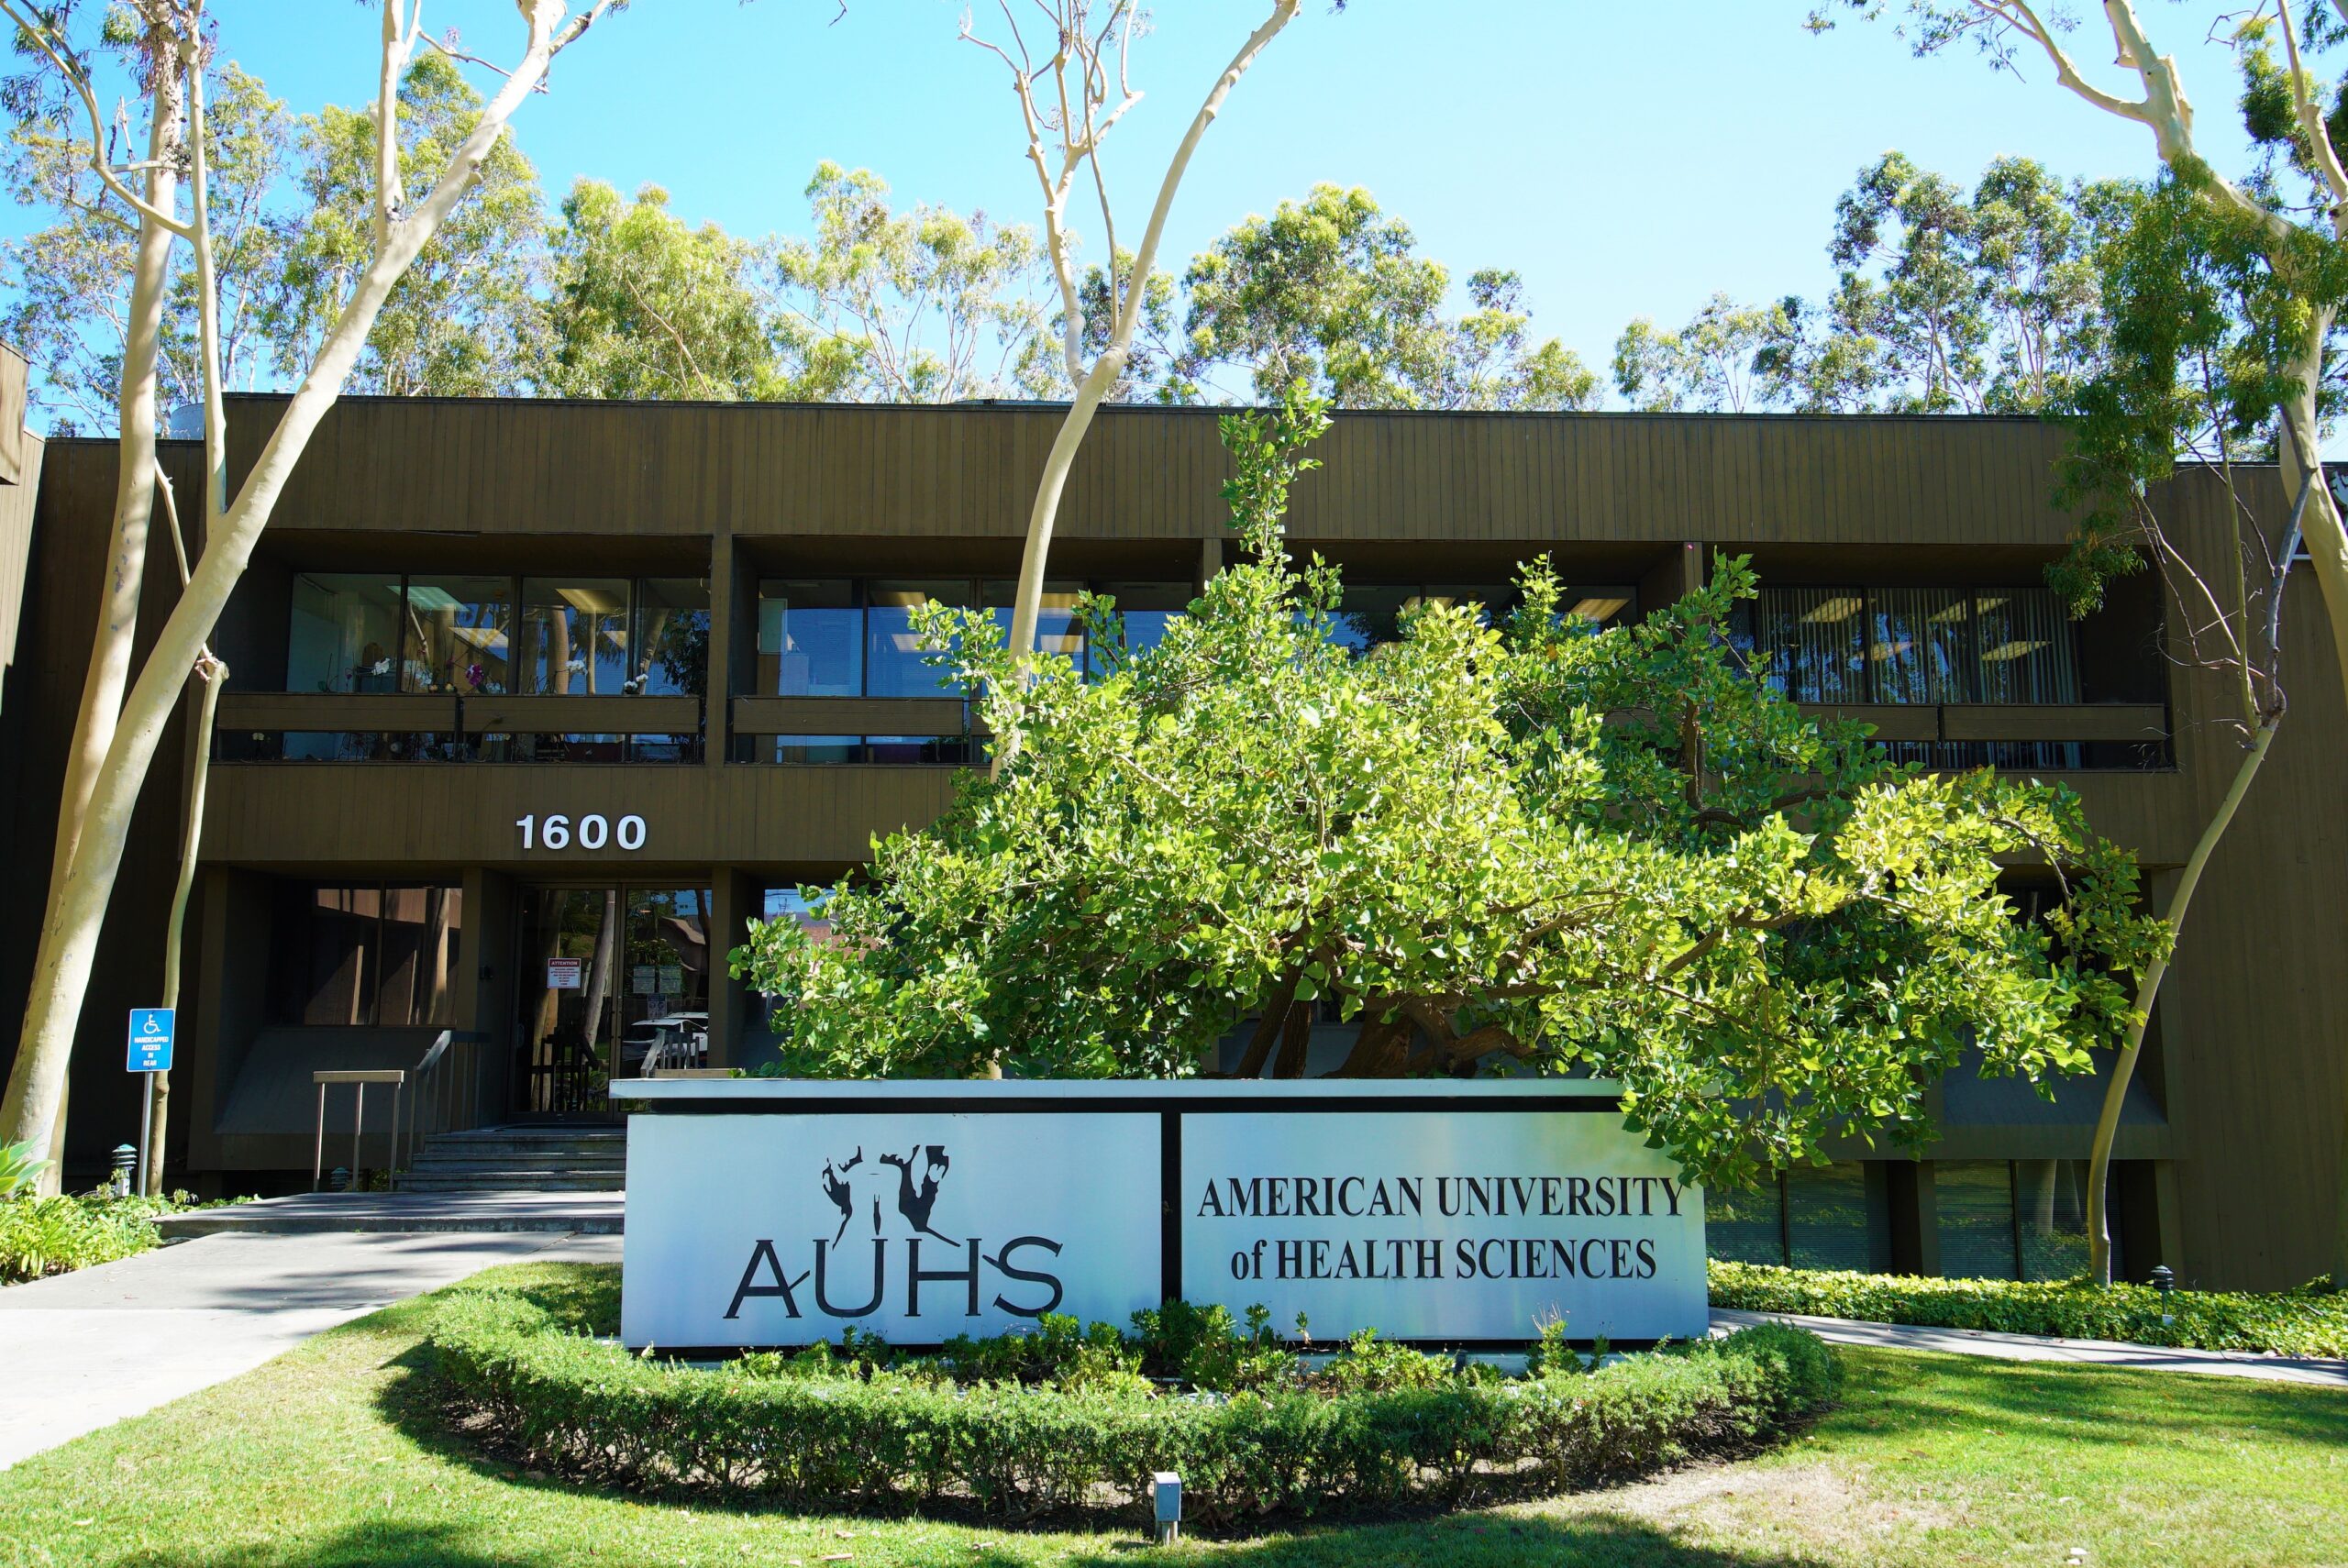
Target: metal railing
[
  {"x": 358, "y": 1078},
  {"x": 448, "y": 1089}
]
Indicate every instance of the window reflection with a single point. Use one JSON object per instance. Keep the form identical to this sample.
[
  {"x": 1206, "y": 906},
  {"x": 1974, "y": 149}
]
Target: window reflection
[
  {"x": 894, "y": 665},
  {"x": 456, "y": 634},
  {"x": 366, "y": 955},
  {"x": 670, "y": 654},
  {"x": 1973, "y": 1203},
  {"x": 345, "y": 632},
  {"x": 811, "y": 639},
  {"x": 1826, "y": 1217},
  {"x": 1058, "y": 635},
  {"x": 574, "y": 637}
]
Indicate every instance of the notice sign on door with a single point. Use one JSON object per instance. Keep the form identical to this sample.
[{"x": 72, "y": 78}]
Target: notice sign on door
[
  {"x": 565, "y": 974},
  {"x": 1442, "y": 1226}
]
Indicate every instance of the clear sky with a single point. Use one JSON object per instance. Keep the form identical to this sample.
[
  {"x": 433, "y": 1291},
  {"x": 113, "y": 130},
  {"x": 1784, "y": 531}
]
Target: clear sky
[{"x": 1627, "y": 159}]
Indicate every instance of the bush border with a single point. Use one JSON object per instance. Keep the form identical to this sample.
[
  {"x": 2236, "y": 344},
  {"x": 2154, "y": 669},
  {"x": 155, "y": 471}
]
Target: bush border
[
  {"x": 2310, "y": 1321},
  {"x": 526, "y": 1380}
]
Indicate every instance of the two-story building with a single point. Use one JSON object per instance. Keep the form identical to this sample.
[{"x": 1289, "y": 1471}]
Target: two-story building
[{"x": 535, "y": 703}]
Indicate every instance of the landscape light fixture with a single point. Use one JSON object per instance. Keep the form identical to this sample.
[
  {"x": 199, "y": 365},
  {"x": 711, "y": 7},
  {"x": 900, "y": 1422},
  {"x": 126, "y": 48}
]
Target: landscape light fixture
[{"x": 1166, "y": 1493}]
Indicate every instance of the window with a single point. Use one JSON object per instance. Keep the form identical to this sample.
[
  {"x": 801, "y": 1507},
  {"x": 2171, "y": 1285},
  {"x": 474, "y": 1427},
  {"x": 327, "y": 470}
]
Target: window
[
  {"x": 345, "y": 635},
  {"x": 670, "y": 653},
  {"x": 1057, "y": 632},
  {"x": 1826, "y": 1217},
  {"x": 1144, "y": 610},
  {"x": 895, "y": 664},
  {"x": 1973, "y": 1202},
  {"x": 367, "y": 955},
  {"x": 2050, "y": 1215},
  {"x": 574, "y": 637},
  {"x": 456, "y": 635},
  {"x": 811, "y": 640},
  {"x": 1747, "y": 1225}
]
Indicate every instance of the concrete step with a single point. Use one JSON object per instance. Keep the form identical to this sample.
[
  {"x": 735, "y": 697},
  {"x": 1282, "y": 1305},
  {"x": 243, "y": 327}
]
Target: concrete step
[
  {"x": 540, "y": 1159},
  {"x": 510, "y": 1181},
  {"x": 557, "y": 1158}
]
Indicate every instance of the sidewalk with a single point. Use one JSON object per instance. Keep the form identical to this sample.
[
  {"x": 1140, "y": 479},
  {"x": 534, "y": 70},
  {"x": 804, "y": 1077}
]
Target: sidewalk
[
  {"x": 85, "y": 1350},
  {"x": 2028, "y": 1347},
  {"x": 319, "y": 1213}
]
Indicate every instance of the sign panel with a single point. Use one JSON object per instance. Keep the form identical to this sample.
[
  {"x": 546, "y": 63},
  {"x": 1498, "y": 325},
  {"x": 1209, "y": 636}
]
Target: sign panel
[
  {"x": 783, "y": 1230},
  {"x": 565, "y": 974},
  {"x": 150, "y": 1039},
  {"x": 1438, "y": 1225}
]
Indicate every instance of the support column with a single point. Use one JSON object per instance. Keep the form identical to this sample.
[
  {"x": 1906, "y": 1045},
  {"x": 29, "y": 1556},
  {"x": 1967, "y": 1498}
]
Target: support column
[
  {"x": 1209, "y": 561},
  {"x": 485, "y": 987},
  {"x": 1673, "y": 578},
  {"x": 736, "y": 898},
  {"x": 732, "y": 645}
]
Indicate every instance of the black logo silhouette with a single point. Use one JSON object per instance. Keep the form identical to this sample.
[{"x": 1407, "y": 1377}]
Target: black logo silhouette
[{"x": 915, "y": 1202}]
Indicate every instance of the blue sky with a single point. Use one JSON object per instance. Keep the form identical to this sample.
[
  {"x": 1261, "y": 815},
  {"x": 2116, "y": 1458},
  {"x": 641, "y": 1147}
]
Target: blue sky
[{"x": 1627, "y": 159}]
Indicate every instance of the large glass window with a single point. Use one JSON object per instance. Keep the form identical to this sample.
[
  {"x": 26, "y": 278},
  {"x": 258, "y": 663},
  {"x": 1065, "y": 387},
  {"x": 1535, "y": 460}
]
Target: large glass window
[
  {"x": 1057, "y": 632},
  {"x": 573, "y": 638},
  {"x": 1826, "y": 1217},
  {"x": 894, "y": 665},
  {"x": 811, "y": 639},
  {"x": 1143, "y": 612},
  {"x": 345, "y": 635},
  {"x": 458, "y": 635},
  {"x": 1973, "y": 1203},
  {"x": 1916, "y": 644},
  {"x": 664, "y": 1006},
  {"x": 2051, "y": 1212},
  {"x": 669, "y": 655},
  {"x": 1746, "y": 1224},
  {"x": 367, "y": 955}
]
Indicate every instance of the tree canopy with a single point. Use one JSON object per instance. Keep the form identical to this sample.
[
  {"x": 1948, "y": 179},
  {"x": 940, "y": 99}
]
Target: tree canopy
[{"x": 1532, "y": 842}]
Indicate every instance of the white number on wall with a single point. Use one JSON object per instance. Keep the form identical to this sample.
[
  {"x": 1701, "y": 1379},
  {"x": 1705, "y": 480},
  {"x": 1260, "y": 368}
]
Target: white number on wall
[{"x": 595, "y": 830}]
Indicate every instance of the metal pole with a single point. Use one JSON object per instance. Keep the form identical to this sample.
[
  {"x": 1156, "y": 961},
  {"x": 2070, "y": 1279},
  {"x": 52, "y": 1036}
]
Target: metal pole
[
  {"x": 392, "y": 1149},
  {"x": 319, "y": 1154},
  {"x": 146, "y": 1125},
  {"x": 358, "y": 1125}
]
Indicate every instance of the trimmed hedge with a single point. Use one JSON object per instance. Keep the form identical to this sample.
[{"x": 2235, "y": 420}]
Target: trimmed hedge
[
  {"x": 520, "y": 1368},
  {"x": 56, "y": 1235},
  {"x": 2311, "y": 1320}
]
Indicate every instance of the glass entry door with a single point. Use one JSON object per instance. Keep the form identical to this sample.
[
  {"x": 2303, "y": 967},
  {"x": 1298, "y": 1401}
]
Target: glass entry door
[{"x": 615, "y": 981}]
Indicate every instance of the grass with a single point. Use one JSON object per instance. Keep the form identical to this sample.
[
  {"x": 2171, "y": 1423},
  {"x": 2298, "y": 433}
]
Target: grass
[{"x": 331, "y": 1457}]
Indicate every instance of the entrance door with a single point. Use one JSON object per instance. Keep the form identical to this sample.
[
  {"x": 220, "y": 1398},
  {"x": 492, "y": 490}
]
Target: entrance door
[{"x": 618, "y": 983}]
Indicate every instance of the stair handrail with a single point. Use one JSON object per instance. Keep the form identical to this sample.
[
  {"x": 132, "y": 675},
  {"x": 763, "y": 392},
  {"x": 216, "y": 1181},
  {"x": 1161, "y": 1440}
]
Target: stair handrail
[{"x": 448, "y": 1089}]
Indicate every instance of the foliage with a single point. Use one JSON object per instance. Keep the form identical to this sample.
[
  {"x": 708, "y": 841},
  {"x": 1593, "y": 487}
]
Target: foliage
[
  {"x": 1712, "y": 365},
  {"x": 464, "y": 320},
  {"x": 71, "y": 280},
  {"x": 559, "y": 1398},
  {"x": 1333, "y": 291},
  {"x": 2311, "y": 1320},
  {"x": 1563, "y": 849},
  {"x": 920, "y": 306},
  {"x": 20, "y": 1166},
  {"x": 647, "y": 307},
  {"x": 56, "y": 1235}
]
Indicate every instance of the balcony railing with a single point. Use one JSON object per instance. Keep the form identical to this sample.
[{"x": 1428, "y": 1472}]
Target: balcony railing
[{"x": 252, "y": 725}]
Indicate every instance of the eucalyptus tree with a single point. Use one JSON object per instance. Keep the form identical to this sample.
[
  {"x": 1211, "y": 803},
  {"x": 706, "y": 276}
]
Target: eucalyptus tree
[
  {"x": 166, "y": 43},
  {"x": 1071, "y": 98},
  {"x": 1717, "y": 363},
  {"x": 647, "y": 306},
  {"x": 1333, "y": 291},
  {"x": 2278, "y": 227},
  {"x": 1530, "y": 843},
  {"x": 464, "y": 320},
  {"x": 924, "y": 305},
  {"x": 71, "y": 279}
]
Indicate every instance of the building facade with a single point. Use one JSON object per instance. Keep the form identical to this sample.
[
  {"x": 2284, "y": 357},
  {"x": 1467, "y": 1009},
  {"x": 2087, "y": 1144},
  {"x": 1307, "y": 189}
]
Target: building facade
[{"x": 534, "y": 705}]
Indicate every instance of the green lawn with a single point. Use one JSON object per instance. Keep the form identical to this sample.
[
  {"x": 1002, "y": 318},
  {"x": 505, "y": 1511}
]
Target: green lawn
[{"x": 328, "y": 1458}]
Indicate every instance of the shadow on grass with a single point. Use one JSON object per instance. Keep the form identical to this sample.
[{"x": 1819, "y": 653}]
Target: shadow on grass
[{"x": 1461, "y": 1541}]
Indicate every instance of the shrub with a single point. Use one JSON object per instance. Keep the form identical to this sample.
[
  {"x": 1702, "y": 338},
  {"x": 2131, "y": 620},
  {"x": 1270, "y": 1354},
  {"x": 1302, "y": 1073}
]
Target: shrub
[
  {"x": 523, "y": 1368},
  {"x": 55, "y": 1235},
  {"x": 2311, "y": 1320}
]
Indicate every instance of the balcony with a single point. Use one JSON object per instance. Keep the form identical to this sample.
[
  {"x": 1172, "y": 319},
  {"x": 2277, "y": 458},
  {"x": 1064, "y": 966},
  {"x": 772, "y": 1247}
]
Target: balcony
[{"x": 2128, "y": 725}]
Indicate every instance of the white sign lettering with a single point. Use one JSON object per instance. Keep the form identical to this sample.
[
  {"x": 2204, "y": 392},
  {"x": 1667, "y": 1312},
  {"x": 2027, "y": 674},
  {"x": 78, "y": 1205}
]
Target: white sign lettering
[
  {"x": 1435, "y": 1225},
  {"x": 594, "y": 831},
  {"x": 783, "y": 1230}
]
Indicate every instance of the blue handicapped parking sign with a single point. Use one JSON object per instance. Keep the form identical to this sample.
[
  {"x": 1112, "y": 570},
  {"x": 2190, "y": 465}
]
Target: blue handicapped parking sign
[{"x": 150, "y": 1039}]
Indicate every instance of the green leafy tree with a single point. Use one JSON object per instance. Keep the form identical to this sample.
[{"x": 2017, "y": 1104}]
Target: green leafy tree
[
  {"x": 1535, "y": 844},
  {"x": 1715, "y": 364},
  {"x": 920, "y": 306},
  {"x": 69, "y": 282},
  {"x": 645, "y": 306},
  {"x": 465, "y": 321},
  {"x": 1333, "y": 292}
]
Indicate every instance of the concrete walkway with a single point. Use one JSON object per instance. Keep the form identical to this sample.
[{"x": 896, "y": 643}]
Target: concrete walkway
[
  {"x": 2030, "y": 1347},
  {"x": 82, "y": 1350},
  {"x": 320, "y": 1213}
]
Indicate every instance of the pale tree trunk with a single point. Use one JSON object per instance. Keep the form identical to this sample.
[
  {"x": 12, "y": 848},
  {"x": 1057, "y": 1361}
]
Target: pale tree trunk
[
  {"x": 199, "y": 774},
  {"x": 69, "y": 938},
  {"x": 1106, "y": 371},
  {"x": 118, "y": 623},
  {"x": 2148, "y": 989}
]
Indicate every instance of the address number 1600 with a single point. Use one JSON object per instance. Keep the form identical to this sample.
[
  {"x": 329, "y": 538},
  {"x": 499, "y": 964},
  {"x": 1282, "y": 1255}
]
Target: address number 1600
[{"x": 593, "y": 831}]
